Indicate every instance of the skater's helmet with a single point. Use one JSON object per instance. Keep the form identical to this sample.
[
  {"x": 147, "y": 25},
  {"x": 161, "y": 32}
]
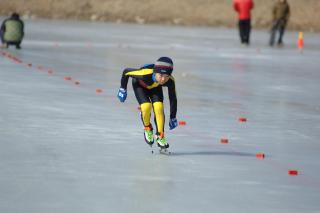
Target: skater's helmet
[{"x": 163, "y": 65}]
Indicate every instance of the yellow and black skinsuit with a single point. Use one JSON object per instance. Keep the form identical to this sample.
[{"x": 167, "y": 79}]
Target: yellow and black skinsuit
[{"x": 149, "y": 95}]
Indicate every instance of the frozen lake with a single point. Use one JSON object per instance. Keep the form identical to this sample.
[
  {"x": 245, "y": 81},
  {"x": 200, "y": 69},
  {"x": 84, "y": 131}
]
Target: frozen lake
[{"x": 66, "y": 147}]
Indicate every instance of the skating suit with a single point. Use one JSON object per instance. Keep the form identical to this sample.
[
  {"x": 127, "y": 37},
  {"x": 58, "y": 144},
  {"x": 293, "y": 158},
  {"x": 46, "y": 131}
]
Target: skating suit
[{"x": 149, "y": 94}]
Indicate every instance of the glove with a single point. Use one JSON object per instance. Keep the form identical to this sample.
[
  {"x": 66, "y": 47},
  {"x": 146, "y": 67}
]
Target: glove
[
  {"x": 122, "y": 94},
  {"x": 173, "y": 123}
]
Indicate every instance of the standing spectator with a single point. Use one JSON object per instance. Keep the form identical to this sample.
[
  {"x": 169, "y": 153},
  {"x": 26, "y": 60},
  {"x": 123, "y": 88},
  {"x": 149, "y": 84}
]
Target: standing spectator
[
  {"x": 243, "y": 8},
  {"x": 280, "y": 13},
  {"x": 12, "y": 31}
]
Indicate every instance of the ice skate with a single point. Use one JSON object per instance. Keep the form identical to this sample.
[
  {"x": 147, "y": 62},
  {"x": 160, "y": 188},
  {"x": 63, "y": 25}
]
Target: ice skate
[
  {"x": 162, "y": 143},
  {"x": 148, "y": 135}
]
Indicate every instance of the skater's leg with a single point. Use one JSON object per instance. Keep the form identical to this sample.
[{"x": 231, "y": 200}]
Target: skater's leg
[
  {"x": 159, "y": 116},
  {"x": 145, "y": 117},
  {"x": 157, "y": 102},
  {"x": 143, "y": 98},
  {"x": 146, "y": 113},
  {"x": 159, "y": 120}
]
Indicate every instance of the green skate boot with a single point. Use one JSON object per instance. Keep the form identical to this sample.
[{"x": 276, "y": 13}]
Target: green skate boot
[
  {"x": 148, "y": 135},
  {"x": 162, "y": 142}
]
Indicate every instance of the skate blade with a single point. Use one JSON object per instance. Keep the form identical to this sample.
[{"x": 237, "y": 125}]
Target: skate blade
[{"x": 164, "y": 151}]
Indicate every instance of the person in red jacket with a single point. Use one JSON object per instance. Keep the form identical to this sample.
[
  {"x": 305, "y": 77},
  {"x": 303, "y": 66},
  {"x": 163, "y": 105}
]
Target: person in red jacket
[{"x": 243, "y": 8}]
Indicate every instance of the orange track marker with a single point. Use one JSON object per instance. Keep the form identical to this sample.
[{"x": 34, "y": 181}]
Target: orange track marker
[
  {"x": 242, "y": 119},
  {"x": 293, "y": 172},
  {"x": 98, "y": 90},
  {"x": 67, "y": 78},
  {"x": 182, "y": 123},
  {"x": 224, "y": 140},
  {"x": 260, "y": 156}
]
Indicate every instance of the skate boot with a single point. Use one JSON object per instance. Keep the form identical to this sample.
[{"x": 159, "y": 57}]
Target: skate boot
[
  {"x": 161, "y": 141},
  {"x": 148, "y": 135}
]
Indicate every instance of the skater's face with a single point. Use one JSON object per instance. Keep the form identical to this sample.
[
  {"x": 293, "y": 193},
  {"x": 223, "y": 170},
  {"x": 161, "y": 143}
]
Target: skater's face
[{"x": 162, "y": 78}]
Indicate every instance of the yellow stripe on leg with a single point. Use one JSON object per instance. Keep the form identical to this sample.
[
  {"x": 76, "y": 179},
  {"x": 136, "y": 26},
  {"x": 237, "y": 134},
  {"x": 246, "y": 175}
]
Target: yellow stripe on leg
[
  {"x": 146, "y": 113},
  {"x": 159, "y": 115}
]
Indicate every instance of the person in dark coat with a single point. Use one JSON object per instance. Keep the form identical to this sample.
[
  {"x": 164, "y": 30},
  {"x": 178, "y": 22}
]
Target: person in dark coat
[
  {"x": 12, "y": 31},
  {"x": 281, "y": 14}
]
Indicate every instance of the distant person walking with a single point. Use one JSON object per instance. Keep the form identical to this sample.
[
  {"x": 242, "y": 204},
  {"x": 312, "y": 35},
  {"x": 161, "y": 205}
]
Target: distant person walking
[
  {"x": 243, "y": 8},
  {"x": 281, "y": 14},
  {"x": 12, "y": 31}
]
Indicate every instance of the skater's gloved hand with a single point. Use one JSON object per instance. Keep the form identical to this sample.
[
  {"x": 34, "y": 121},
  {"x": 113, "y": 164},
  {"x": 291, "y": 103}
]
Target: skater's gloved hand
[
  {"x": 173, "y": 123},
  {"x": 122, "y": 94}
]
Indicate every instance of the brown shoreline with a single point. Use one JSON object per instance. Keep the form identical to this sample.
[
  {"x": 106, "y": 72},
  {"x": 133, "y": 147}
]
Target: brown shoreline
[{"x": 305, "y": 15}]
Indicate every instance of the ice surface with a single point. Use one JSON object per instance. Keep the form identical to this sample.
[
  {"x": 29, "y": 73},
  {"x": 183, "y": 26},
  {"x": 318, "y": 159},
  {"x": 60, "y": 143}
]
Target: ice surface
[{"x": 66, "y": 148}]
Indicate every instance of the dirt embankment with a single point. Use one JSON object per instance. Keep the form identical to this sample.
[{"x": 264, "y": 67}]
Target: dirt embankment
[{"x": 305, "y": 14}]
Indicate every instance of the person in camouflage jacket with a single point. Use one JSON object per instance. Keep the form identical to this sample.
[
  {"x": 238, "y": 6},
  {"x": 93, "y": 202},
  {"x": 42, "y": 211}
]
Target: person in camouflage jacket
[
  {"x": 281, "y": 14},
  {"x": 12, "y": 31}
]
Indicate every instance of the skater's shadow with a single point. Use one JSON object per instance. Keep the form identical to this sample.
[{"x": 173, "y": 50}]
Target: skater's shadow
[{"x": 242, "y": 154}]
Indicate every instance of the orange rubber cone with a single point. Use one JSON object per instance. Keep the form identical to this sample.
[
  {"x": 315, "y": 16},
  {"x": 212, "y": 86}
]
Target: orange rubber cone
[{"x": 300, "y": 42}]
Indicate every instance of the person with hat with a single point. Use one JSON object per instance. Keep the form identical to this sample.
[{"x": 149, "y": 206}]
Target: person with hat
[
  {"x": 147, "y": 83},
  {"x": 12, "y": 31}
]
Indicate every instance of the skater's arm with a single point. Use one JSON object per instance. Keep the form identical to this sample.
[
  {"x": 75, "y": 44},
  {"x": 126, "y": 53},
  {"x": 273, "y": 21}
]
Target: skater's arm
[
  {"x": 125, "y": 77},
  {"x": 134, "y": 73},
  {"x": 172, "y": 97}
]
